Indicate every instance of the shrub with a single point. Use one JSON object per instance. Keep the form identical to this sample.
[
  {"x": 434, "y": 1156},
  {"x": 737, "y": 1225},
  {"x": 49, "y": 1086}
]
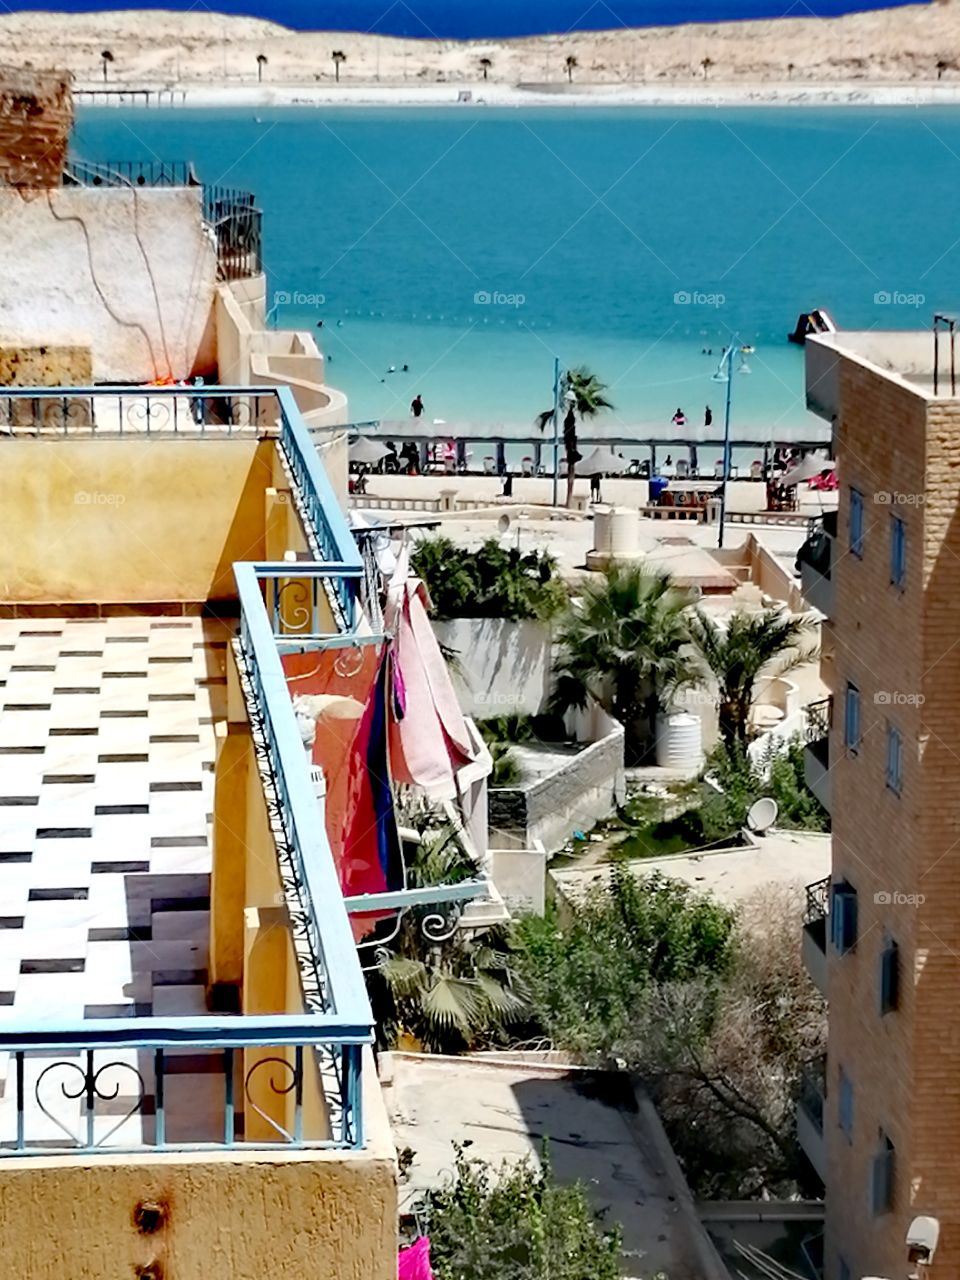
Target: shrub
[
  {"x": 492, "y": 582},
  {"x": 517, "y": 1224}
]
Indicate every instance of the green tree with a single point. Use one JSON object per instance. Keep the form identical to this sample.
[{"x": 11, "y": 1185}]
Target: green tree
[
  {"x": 491, "y": 582},
  {"x": 590, "y": 981},
  {"x": 262, "y": 61},
  {"x": 626, "y": 644},
  {"x": 741, "y": 648},
  {"x": 518, "y": 1224},
  {"x": 570, "y": 64},
  {"x": 106, "y": 58},
  {"x": 434, "y": 983},
  {"x": 338, "y": 57},
  {"x": 582, "y": 394}
]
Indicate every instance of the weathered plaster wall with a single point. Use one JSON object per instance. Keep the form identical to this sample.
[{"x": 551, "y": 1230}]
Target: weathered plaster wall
[
  {"x": 132, "y": 520},
  {"x": 132, "y": 273}
]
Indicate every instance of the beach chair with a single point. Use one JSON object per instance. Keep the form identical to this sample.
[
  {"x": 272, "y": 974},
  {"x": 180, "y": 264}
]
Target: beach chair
[
  {"x": 718, "y": 469},
  {"x": 756, "y": 470},
  {"x": 488, "y": 466},
  {"x": 526, "y": 466},
  {"x": 683, "y": 468}
]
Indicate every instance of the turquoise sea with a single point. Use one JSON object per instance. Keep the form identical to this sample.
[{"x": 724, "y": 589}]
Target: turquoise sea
[{"x": 474, "y": 244}]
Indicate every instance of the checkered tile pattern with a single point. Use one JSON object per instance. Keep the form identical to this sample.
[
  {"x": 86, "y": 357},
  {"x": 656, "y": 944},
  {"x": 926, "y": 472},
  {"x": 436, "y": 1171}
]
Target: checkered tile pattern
[{"x": 106, "y": 796}]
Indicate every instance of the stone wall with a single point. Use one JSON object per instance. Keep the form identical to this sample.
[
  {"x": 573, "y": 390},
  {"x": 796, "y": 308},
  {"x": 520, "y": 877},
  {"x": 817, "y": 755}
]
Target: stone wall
[{"x": 36, "y": 115}]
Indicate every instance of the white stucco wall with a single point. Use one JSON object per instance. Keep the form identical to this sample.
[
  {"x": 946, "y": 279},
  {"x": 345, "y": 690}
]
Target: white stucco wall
[
  {"x": 504, "y": 667},
  {"x": 131, "y": 273}
]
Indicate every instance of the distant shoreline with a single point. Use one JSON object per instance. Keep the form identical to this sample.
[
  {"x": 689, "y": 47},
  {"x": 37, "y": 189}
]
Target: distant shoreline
[{"x": 719, "y": 95}]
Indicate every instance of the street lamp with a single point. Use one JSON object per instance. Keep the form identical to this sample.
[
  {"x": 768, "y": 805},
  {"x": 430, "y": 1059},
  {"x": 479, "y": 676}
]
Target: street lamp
[{"x": 722, "y": 374}]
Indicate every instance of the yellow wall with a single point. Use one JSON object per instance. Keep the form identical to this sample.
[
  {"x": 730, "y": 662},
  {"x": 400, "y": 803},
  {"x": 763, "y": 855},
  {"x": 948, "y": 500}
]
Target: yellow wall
[
  {"x": 283, "y": 1214},
  {"x": 134, "y": 520}
]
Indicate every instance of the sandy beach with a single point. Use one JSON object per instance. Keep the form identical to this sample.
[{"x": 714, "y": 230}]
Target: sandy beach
[{"x": 909, "y": 55}]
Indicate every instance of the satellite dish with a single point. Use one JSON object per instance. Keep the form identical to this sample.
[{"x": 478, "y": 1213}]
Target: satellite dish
[
  {"x": 762, "y": 815},
  {"x": 503, "y": 524}
]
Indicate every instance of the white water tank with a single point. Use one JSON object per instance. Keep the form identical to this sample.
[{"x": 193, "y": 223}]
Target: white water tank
[
  {"x": 679, "y": 742},
  {"x": 601, "y": 530},
  {"x": 624, "y": 533}
]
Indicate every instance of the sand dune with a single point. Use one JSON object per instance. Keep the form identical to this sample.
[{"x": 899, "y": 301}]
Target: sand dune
[{"x": 914, "y": 45}]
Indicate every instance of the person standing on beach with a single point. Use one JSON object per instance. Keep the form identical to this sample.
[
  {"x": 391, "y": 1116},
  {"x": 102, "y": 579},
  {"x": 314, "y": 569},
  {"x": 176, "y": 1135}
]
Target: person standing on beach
[
  {"x": 679, "y": 419},
  {"x": 707, "y": 416},
  {"x": 416, "y": 406}
]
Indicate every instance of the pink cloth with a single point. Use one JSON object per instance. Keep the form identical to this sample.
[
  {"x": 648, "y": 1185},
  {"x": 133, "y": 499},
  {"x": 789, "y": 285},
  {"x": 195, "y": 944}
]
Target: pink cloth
[
  {"x": 414, "y": 1263},
  {"x": 429, "y": 742}
]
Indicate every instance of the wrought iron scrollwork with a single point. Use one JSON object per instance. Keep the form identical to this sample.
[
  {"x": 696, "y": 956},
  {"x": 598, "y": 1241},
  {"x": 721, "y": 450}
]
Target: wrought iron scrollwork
[
  {"x": 281, "y": 1089},
  {"x": 88, "y": 1083}
]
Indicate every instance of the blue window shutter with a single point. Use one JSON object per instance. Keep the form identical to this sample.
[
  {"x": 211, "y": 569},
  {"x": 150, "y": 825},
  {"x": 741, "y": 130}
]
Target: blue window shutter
[
  {"x": 894, "y": 759},
  {"x": 846, "y": 1104},
  {"x": 851, "y": 718},
  {"x": 898, "y": 551},
  {"x": 881, "y": 1190},
  {"x": 843, "y": 917},
  {"x": 856, "y": 522}
]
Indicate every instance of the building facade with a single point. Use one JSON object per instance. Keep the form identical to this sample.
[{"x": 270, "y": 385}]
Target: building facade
[{"x": 880, "y": 1118}]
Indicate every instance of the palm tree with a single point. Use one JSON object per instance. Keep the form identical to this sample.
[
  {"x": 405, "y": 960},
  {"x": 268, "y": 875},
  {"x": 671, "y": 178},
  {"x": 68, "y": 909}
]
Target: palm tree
[
  {"x": 262, "y": 61},
  {"x": 942, "y": 66},
  {"x": 625, "y": 643},
  {"x": 790, "y": 70},
  {"x": 443, "y": 994},
  {"x": 706, "y": 63},
  {"x": 584, "y": 398},
  {"x": 736, "y": 653},
  {"x": 570, "y": 64},
  {"x": 338, "y": 56},
  {"x": 485, "y": 65},
  {"x": 107, "y": 58}
]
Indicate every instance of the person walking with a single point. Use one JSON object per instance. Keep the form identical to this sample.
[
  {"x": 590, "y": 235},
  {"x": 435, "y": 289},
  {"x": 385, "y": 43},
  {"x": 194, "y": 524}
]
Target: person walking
[
  {"x": 416, "y": 406},
  {"x": 707, "y": 416}
]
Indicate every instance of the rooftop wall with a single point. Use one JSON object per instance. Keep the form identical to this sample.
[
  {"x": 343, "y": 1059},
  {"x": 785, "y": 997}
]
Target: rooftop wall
[
  {"x": 36, "y": 113},
  {"x": 131, "y": 273}
]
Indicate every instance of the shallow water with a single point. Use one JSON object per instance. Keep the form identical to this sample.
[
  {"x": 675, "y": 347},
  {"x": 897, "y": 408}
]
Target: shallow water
[{"x": 476, "y": 244}]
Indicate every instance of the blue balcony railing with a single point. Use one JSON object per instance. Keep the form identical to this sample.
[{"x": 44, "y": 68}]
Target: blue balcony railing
[{"x": 118, "y": 1084}]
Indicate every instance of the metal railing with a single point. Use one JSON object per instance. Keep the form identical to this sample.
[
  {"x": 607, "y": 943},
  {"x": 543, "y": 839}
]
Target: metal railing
[
  {"x": 231, "y": 214},
  {"x": 138, "y": 410},
  {"x": 817, "y": 905},
  {"x": 813, "y": 1090},
  {"x": 72, "y": 1092},
  {"x": 818, "y": 718}
]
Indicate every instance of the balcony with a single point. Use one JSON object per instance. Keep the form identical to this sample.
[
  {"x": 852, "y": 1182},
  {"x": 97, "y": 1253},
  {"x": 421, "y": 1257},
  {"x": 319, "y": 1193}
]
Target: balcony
[
  {"x": 815, "y": 558},
  {"x": 810, "y": 1111},
  {"x": 816, "y": 756},
  {"x": 182, "y": 1002},
  {"x": 814, "y": 940}
]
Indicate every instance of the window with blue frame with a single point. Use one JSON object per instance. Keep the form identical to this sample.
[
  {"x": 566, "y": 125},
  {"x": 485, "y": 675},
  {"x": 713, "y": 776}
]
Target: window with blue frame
[
  {"x": 843, "y": 916},
  {"x": 882, "y": 1177},
  {"x": 856, "y": 522},
  {"x": 894, "y": 759},
  {"x": 898, "y": 552},
  {"x": 889, "y": 977},
  {"x": 845, "y": 1104},
  {"x": 851, "y": 718}
]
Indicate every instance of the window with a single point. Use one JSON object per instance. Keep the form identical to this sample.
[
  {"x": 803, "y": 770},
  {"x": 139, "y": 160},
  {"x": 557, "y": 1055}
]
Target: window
[
  {"x": 843, "y": 916},
  {"x": 889, "y": 977},
  {"x": 898, "y": 552},
  {"x": 846, "y": 1104},
  {"x": 894, "y": 759},
  {"x": 882, "y": 1174},
  {"x": 851, "y": 718},
  {"x": 856, "y": 522}
]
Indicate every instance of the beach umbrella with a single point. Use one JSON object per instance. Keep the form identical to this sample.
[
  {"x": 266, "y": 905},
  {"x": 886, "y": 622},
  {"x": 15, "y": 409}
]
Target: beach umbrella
[
  {"x": 368, "y": 452},
  {"x": 602, "y": 462},
  {"x": 813, "y": 465}
]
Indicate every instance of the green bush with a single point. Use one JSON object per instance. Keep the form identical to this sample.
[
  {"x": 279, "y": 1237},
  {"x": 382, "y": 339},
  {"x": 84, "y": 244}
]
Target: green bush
[
  {"x": 587, "y": 981},
  {"x": 518, "y": 1224},
  {"x": 492, "y": 582}
]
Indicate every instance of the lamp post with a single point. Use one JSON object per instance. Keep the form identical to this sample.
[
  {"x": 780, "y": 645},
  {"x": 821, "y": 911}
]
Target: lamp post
[{"x": 723, "y": 373}]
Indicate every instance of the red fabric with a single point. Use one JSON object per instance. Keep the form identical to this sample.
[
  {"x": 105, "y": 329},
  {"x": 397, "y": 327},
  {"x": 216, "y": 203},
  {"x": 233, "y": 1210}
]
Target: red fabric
[{"x": 414, "y": 1263}]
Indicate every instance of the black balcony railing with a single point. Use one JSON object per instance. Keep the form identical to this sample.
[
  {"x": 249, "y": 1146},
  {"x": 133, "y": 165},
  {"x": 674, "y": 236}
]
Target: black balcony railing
[
  {"x": 817, "y": 905},
  {"x": 813, "y": 1089},
  {"x": 232, "y": 215},
  {"x": 818, "y": 718}
]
